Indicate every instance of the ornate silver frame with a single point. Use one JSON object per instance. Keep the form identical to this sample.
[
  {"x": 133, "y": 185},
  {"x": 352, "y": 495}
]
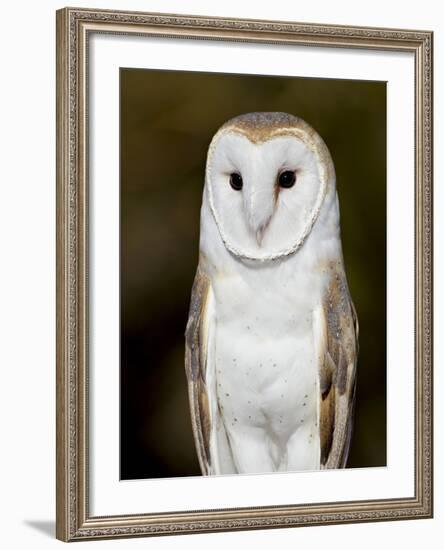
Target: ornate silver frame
[{"x": 74, "y": 521}]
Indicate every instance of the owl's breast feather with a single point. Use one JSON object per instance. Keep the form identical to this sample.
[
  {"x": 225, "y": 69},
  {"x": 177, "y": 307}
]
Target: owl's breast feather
[{"x": 266, "y": 376}]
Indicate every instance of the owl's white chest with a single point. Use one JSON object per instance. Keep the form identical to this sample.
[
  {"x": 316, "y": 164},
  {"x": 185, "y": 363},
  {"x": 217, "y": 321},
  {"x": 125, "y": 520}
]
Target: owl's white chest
[{"x": 265, "y": 367}]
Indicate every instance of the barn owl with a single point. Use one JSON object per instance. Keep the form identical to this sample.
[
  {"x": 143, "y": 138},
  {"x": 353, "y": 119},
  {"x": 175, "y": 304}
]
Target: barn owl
[{"x": 272, "y": 334}]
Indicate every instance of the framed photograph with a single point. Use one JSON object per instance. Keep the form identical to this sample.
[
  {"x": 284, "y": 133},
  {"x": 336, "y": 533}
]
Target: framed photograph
[{"x": 244, "y": 274}]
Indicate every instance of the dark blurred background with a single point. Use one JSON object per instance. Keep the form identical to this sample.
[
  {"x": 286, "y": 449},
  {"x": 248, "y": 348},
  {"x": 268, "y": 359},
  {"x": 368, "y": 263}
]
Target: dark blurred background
[{"x": 167, "y": 121}]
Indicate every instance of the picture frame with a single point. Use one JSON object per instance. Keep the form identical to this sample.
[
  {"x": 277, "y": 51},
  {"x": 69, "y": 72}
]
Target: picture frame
[{"x": 77, "y": 468}]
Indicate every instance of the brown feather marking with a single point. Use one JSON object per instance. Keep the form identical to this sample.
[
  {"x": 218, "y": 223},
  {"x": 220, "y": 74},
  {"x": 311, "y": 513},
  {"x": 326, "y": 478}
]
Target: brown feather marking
[
  {"x": 337, "y": 398},
  {"x": 341, "y": 372},
  {"x": 205, "y": 418},
  {"x": 327, "y": 423},
  {"x": 199, "y": 294},
  {"x": 326, "y": 374},
  {"x": 195, "y": 368}
]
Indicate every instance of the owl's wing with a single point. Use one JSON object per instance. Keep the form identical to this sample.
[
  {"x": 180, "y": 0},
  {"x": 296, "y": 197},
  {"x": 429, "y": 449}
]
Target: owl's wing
[
  {"x": 197, "y": 347},
  {"x": 337, "y": 335}
]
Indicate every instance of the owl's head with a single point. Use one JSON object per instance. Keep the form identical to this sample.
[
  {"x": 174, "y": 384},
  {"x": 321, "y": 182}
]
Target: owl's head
[{"x": 267, "y": 177}]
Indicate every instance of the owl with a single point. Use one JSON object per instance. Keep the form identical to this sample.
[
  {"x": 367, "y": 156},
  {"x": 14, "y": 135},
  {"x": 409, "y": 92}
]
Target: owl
[{"x": 272, "y": 333}]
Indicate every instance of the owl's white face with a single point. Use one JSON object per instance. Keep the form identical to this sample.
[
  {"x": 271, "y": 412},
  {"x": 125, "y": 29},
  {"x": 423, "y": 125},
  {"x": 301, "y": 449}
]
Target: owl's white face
[{"x": 265, "y": 196}]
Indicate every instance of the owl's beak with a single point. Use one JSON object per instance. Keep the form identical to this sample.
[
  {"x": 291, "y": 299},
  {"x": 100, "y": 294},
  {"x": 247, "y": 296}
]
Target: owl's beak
[
  {"x": 259, "y": 206},
  {"x": 259, "y": 227},
  {"x": 259, "y": 220},
  {"x": 260, "y": 232}
]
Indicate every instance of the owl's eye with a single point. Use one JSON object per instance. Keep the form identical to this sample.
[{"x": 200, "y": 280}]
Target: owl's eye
[
  {"x": 287, "y": 179},
  {"x": 236, "y": 181}
]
